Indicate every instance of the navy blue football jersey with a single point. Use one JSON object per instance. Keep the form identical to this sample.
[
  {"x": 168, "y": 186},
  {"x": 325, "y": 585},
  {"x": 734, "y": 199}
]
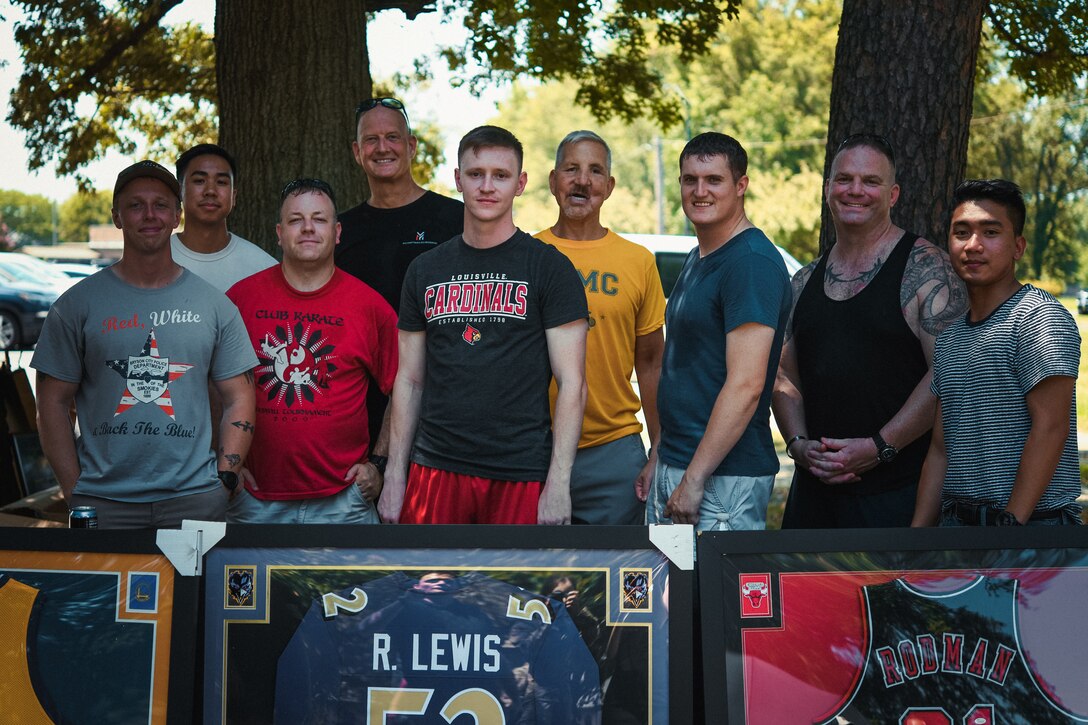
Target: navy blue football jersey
[{"x": 439, "y": 649}]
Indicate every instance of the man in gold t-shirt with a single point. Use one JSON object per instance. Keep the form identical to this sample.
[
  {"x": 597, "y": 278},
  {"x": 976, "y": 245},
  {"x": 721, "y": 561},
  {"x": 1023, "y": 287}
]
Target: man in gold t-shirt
[{"x": 611, "y": 475}]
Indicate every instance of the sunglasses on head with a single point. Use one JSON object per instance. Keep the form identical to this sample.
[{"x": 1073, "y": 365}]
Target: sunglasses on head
[
  {"x": 297, "y": 186},
  {"x": 372, "y": 103}
]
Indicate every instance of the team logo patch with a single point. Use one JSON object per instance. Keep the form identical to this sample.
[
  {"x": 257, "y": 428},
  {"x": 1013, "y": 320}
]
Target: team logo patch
[
  {"x": 755, "y": 595},
  {"x": 420, "y": 235},
  {"x": 143, "y": 592},
  {"x": 147, "y": 377},
  {"x": 471, "y": 335},
  {"x": 294, "y": 363},
  {"x": 240, "y": 587},
  {"x": 636, "y": 590}
]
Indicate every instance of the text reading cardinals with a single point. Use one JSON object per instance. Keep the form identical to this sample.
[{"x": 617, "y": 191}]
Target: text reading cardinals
[{"x": 491, "y": 295}]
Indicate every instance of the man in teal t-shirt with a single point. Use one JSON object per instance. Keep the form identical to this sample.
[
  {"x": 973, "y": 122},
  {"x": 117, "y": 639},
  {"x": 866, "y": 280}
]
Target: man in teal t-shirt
[{"x": 725, "y": 322}]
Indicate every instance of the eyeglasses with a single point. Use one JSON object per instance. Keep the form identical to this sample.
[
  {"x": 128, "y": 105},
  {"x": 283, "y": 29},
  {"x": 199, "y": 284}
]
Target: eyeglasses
[
  {"x": 371, "y": 103},
  {"x": 873, "y": 140},
  {"x": 299, "y": 186}
]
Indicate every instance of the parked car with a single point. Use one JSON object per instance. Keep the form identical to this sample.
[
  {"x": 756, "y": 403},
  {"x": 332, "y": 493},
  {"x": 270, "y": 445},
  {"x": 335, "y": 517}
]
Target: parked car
[
  {"x": 23, "y": 307},
  {"x": 32, "y": 270},
  {"x": 76, "y": 271},
  {"x": 1082, "y": 302},
  {"x": 670, "y": 251}
]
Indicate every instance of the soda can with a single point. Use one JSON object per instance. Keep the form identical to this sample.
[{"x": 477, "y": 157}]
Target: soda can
[{"x": 83, "y": 517}]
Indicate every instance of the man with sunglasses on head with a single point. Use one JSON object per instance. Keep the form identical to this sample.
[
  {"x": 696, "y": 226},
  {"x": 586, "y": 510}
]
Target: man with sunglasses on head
[
  {"x": 322, "y": 338},
  {"x": 400, "y": 221},
  {"x": 852, "y": 396}
]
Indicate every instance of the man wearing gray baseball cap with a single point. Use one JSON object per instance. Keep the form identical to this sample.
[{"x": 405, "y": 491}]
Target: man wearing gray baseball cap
[{"x": 135, "y": 347}]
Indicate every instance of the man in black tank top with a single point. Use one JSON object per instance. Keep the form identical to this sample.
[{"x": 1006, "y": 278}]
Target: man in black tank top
[{"x": 852, "y": 396}]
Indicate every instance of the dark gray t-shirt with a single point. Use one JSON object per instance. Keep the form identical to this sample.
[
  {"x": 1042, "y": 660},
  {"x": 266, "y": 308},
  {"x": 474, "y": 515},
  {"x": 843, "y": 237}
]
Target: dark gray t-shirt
[
  {"x": 485, "y": 311},
  {"x": 143, "y": 359}
]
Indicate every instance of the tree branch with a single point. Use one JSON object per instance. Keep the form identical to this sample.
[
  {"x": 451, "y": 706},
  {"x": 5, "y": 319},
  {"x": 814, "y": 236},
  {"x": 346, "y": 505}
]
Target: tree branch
[
  {"x": 132, "y": 37},
  {"x": 410, "y": 8}
]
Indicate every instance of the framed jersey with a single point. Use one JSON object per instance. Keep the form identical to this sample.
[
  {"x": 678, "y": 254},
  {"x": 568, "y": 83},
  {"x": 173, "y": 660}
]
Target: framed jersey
[
  {"x": 438, "y": 624},
  {"x": 95, "y": 626},
  {"x": 930, "y": 627}
]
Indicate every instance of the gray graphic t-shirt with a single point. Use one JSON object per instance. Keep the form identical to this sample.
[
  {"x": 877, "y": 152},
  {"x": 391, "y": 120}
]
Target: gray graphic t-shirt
[{"x": 143, "y": 359}]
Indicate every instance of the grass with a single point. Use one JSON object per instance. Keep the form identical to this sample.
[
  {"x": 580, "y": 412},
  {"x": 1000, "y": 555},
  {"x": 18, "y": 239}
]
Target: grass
[{"x": 1082, "y": 377}]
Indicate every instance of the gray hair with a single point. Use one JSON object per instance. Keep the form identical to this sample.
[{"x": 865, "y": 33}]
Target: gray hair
[{"x": 574, "y": 137}]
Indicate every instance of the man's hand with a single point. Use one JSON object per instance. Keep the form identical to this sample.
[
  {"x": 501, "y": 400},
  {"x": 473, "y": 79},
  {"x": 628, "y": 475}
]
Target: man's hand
[
  {"x": 843, "y": 460},
  {"x": 683, "y": 504},
  {"x": 553, "y": 509},
  {"x": 645, "y": 479},
  {"x": 391, "y": 499},
  {"x": 367, "y": 478}
]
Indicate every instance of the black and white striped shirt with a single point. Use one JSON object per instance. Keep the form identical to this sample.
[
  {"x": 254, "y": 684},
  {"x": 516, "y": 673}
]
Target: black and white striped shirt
[{"x": 982, "y": 372}]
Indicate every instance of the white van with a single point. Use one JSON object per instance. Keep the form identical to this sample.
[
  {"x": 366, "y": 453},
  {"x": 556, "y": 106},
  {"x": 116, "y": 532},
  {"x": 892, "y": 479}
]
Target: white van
[{"x": 670, "y": 251}]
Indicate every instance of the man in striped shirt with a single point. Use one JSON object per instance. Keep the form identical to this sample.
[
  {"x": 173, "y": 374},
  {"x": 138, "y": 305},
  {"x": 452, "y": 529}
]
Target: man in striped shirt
[{"x": 1004, "y": 449}]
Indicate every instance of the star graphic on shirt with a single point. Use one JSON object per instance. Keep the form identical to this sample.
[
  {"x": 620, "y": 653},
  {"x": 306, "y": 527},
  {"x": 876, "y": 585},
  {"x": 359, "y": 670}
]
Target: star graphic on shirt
[{"x": 147, "y": 377}]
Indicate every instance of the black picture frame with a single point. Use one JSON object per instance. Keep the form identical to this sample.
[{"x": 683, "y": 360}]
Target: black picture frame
[
  {"x": 261, "y": 554},
  {"x": 107, "y": 602},
  {"x": 35, "y": 473},
  {"x": 820, "y": 583}
]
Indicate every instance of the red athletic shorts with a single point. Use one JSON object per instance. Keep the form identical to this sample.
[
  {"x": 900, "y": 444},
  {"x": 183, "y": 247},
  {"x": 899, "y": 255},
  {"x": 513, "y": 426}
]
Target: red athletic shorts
[{"x": 434, "y": 496}]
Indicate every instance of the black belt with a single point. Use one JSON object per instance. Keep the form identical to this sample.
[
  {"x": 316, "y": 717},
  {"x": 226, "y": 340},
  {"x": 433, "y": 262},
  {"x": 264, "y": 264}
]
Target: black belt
[{"x": 986, "y": 515}]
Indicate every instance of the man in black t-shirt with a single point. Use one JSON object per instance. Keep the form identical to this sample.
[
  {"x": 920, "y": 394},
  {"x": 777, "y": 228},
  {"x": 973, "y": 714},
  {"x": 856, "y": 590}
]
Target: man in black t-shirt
[
  {"x": 400, "y": 221},
  {"x": 486, "y": 320}
]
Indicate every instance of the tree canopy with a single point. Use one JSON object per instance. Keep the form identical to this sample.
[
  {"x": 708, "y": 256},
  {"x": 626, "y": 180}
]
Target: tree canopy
[
  {"x": 101, "y": 74},
  {"x": 772, "y": 98}
]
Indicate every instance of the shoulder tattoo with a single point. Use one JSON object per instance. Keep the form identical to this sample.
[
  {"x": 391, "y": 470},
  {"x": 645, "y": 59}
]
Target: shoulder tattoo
[
  {"x": 797, "y": 285},
  {"x": 930, "y": 280}
]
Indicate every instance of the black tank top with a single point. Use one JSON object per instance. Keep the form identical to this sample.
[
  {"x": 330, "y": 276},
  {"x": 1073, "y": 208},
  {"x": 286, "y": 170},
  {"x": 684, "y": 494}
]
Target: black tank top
[{"x": 859, "y": 362}]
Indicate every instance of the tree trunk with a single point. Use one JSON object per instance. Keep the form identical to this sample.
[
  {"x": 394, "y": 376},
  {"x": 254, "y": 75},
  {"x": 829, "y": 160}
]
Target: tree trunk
[
  {"x": 906, "y": 71},
  {"x": 290, "y": 73}
]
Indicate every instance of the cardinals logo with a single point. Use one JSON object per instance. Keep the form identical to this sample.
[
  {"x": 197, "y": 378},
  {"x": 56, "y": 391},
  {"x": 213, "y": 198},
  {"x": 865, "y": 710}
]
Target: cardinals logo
[
  {"x": 471, "y": 335},
  {"x": 755, "y": 595}
]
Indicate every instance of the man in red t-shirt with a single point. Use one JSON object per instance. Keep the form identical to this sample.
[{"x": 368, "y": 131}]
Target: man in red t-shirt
[{"x": 320, "y": 335}]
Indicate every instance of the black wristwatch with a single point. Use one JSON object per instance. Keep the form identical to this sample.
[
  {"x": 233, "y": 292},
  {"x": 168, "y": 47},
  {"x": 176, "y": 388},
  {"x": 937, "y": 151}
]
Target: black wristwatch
[
  {"x": 379, "y": 462},
  {"x": 885, "y": 452},
  {"x": 1006, "y": 518},
  {"x": 229, "y": 479}
]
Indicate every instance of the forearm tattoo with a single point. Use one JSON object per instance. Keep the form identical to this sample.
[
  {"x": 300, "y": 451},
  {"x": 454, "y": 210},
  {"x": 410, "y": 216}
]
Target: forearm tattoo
[{"x": 245, "y": 425}]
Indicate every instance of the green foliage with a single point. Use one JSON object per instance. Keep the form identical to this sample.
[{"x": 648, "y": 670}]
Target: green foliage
[
  {"x": 80, "y": 211},
  {"x": 603, "y": 47},
  {"x": 1038, "y": 142},
  {"x": 100, "y": 75},
  {"x": 774, "y": 99},
  {"x": 29, "y": 217},
  {"x": 1046, "y": 41}
]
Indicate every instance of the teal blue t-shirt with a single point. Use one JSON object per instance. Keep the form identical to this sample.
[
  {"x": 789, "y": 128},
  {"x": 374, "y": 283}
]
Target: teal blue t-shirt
[{"x": 743, "y": 281}]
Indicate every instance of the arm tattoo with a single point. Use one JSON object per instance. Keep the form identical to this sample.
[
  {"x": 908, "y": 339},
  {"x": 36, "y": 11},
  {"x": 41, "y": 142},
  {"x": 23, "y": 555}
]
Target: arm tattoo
[
  {"x": 797, "y": 284},
  {"x": 245, "y": 425},
  {"x": 930, "y": 277},
  {"x": 233, "y": 459}
]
